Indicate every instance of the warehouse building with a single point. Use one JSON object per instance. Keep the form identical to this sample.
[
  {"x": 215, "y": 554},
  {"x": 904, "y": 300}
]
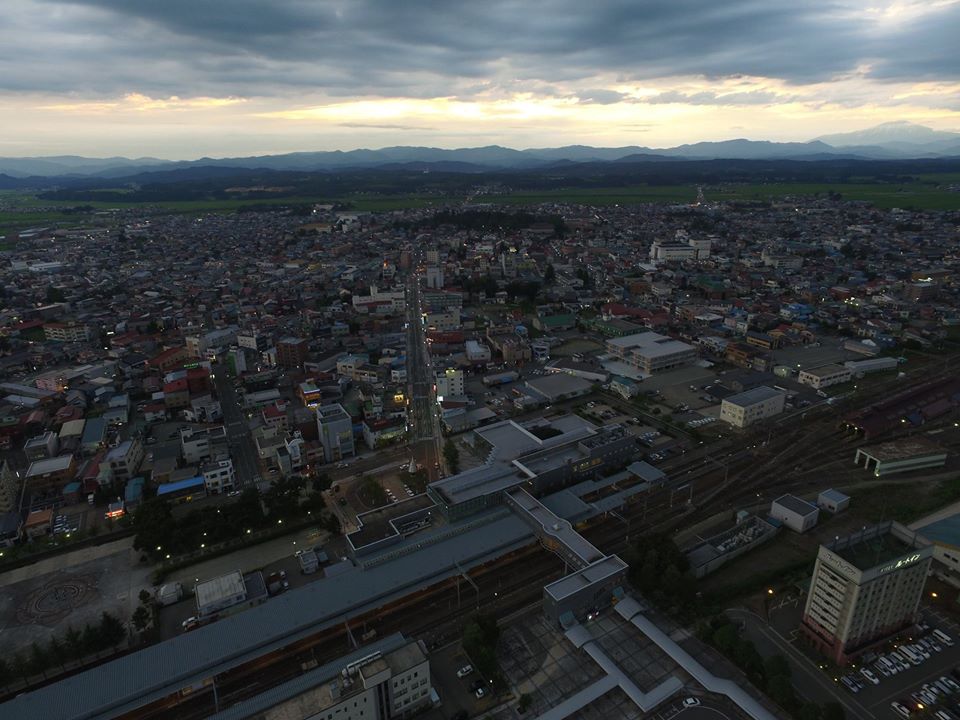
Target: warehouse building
[
  {"x": 903, "y": 455},
  {"x": 825, "y": 376},
  {"x": 794, "y": 513},
  {"x": 746, "y": 408},
  {"x": 866, "y": 587}
]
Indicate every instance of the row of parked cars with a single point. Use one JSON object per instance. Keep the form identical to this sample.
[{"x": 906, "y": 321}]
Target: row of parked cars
[
  {"x": 901, "y": 657},
  {"x": 939, "y": 697}
]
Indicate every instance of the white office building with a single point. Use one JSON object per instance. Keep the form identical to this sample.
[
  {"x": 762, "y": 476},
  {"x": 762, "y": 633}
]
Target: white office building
[
  {"x": 449, "y": 383},
  {"x": 335, "y": 428},
  {"x": 751, "y": 406},
  {"x": 219, "y": 476},
  {"x": 651, "y": 352},
  {"x": 825, "y": 376}
]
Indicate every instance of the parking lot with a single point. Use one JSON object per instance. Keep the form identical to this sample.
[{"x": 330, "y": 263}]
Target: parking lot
[{"x": 915, "y": 686}]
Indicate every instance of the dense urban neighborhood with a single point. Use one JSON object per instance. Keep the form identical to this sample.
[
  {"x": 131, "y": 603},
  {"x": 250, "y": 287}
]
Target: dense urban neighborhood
[{"x": 463, "y": 460}]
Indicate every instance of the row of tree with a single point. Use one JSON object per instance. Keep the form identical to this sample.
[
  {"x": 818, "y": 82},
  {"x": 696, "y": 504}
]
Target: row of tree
[
  {"x": 75, "y": 645},
  {"x": 772, "y": 675},
  {"x": 159, "y": 534}
]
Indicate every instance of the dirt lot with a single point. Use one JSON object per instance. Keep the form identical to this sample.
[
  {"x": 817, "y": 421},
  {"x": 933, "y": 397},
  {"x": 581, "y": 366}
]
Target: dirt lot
[{"x": 36, "y": 606}]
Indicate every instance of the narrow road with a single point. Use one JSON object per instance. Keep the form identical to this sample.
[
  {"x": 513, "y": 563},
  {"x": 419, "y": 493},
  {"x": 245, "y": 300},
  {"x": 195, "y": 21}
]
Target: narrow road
[{"x": 242, "y": 448}]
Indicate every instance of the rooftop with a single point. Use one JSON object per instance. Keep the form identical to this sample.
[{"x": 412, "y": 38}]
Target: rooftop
[
  {"x": 876, "y": 545},
  {"x": 795, "y": 504},
  {"x": 903, "y": 449},
  {"x": 596, "y": 571},
  {"x": 216, "y": 590},
  {"x": 753, "y": 396}
]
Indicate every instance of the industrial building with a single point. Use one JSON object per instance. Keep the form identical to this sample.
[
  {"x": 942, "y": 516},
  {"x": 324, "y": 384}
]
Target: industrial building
[
  {"x": 825, "y": 376},
  {"x": 650, "y": 352},
  {"x": 866, "y": 587},
  {"x": 746, "y": 408},
  {"x": 794, "y": 513},
  {"x": 903, "y": 455}
]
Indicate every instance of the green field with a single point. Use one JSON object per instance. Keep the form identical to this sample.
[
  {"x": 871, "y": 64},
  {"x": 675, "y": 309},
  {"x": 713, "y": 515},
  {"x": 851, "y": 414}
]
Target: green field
[{"x": 927, "y": 192}]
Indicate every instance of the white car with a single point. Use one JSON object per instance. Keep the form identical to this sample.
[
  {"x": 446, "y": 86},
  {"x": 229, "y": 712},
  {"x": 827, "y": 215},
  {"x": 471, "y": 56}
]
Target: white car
[
  {"x": 869, "y": 675},
  {"x": 480, "y": 693},
  {"x": 464, "y": 671},
  {"x": 691, "y": 702}
]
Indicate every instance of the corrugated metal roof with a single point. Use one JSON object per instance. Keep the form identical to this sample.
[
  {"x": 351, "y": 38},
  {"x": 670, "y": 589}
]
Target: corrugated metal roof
[{"x": 153, "y": 673}]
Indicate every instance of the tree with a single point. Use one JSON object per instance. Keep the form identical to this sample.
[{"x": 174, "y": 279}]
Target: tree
[
  {"x": 19, "y": 666},
  {"x": 834, "y": 711},
  {"x": 55, "y": 294},
  {"x": 155, "y": 528},
  {"x": 780, "y": 690},
  {"x": 38, "y": 660},
  {"x": 549, "y": 275},
  {"x": 74, "y": 642},
  {"x": 112, "y": 629},
  {"x": 140, "y": 618},
  {"x": 809, "y": 711},
  {"x": 145, "y": 597},
  {"x": 452, "y": 455},
  {"x": 56, "y": 651},
  {"x": 725, "y": 638},
  {"x": 776, "y": 665}
]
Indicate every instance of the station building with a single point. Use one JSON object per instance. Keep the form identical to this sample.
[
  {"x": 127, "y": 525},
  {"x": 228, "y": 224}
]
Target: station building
[{"x": 866, "y": 587}]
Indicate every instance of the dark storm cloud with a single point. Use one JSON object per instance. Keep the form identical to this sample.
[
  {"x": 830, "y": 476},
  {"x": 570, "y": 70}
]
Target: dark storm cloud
[{"x": 426, "y": 48}]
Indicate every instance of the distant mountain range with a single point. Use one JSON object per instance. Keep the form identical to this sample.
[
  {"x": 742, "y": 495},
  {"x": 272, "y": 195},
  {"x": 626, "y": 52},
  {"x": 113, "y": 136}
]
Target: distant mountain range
[{"x": 889, "y": 141}]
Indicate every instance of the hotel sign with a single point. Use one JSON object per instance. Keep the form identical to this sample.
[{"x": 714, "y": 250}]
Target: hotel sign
[{"x": 901, "y": 563}]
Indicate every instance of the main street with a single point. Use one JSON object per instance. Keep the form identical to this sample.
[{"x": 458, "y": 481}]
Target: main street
[
  {"x": 240, "y": 440},
  {"x": 424, "y": 415}
]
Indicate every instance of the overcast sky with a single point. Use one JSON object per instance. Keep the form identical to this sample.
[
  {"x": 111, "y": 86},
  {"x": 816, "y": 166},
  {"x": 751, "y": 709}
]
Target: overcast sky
[{"x": 192, "y": 78}]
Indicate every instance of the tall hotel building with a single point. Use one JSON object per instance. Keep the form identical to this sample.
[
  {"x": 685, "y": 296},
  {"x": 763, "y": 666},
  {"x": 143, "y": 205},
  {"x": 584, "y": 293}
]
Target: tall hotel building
[{"x": 865, "y": 588}]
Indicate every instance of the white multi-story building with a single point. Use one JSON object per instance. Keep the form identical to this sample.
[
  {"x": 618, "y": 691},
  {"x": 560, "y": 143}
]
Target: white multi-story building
[
  {"x": 66, "y": 332},
  {"x": 651, "y": 352},
  {"x": 199, "y": 346},
  {"x": 865, "y": 588},
  {"x": 447, "y": 320},
  {"x": 388, "y": 680},
  {"x": 435, "y": 277},
  {"x": 394, "y": 301},
  {"x": 477, "y": 352},
  {"x": 219, "y": 476},
  {"x": 199, "y": 445},
  {"x": 449, "y": 383},
  {"x": 751, "y": 406},
  {"x": 825, "y": 376},
  {"x": 335, "y": 428},
  {"x": 124, "y": 460}
]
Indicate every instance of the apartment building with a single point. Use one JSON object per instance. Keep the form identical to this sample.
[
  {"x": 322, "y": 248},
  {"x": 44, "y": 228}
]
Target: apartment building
[
  {"x": 219, "y": 476},
  {"x": 124, "y": 460},
  {"x": 866, "y": 587},
  {"x": 449, "y": 383},
  {"x": 198, "y": 445},
  {"x": 66, "y": 332}
]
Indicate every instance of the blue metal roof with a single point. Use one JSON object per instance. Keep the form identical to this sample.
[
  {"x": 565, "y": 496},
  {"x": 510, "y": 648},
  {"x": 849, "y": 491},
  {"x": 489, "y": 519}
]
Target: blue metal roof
[
  {"x": 155, "y": 672},
  {"x": 167, "y": 488},
  {"x": 945, "y": 531}
]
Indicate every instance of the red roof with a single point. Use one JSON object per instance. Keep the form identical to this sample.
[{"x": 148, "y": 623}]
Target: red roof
[{"x": 175, "y": 386}]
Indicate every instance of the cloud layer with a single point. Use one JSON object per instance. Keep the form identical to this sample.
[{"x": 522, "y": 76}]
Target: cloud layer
[{"x": 290, "y": 56}]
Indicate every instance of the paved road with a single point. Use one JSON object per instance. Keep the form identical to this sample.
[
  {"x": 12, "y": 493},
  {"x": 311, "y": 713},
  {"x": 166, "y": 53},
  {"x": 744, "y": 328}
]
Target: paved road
[
  {"x": 424, "y": 437},
  {"x": 242, "y": 448},
  {"x": 810, "y": 682}
]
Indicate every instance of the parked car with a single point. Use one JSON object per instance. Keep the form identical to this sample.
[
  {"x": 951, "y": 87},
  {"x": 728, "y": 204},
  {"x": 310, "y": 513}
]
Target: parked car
[{"x": 464, "y": 671}]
